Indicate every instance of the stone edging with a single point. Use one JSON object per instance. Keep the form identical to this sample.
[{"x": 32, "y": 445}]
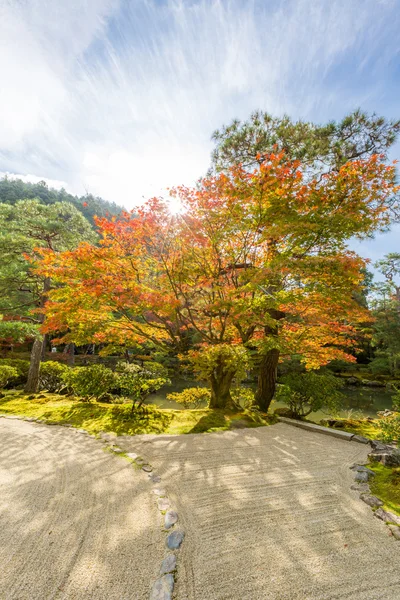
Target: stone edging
[
  {"x": 163, "y": 587},
  {"x": 343, "y": 435},
  {"x": 361, "y": 477}
]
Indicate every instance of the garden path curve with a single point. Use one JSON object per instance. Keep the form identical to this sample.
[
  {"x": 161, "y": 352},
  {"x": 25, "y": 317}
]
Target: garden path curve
[
  {"x": 269, "y": 514},
  {"x": 75, "y": 521}
]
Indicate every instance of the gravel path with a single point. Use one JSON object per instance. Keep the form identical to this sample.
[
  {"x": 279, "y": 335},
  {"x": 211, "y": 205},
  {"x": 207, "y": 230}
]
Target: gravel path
[
  {"x": 269, "y": 514},
  {"x": 75, "y": 521}
]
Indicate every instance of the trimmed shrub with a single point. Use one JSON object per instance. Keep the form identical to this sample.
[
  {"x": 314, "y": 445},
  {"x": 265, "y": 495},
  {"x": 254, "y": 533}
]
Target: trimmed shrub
[
  {"x": 308, "y": 392},
  {"x": 89, "y": 382},
  {"x": 7, "y": 375},
  {"x": 191, "y": 397},
  {"x": 51, "y": 376},
  {"x": 21, "y": 366}
]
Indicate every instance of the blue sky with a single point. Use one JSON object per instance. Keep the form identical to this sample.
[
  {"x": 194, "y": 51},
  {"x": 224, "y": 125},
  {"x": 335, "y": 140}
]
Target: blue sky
[{"x": 120, "y": 97}]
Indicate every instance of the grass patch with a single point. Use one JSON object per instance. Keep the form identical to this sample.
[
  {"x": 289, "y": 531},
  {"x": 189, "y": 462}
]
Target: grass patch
[
  {"x": 97, "y": 416},
  {"x": 386, "y": 486}
]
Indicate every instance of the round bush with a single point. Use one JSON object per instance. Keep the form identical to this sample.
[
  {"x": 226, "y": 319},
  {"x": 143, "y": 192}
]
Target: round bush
[
  {"x": 21, "y": 366},
  {"x": 89, "y": 382},
  {"x": 51, "y": 376},
  {"x": 7, "y": 375}
]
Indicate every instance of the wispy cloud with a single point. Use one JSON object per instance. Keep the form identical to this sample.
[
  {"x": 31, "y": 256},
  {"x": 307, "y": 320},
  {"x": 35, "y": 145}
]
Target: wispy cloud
[{"x": 120, "y": 97}]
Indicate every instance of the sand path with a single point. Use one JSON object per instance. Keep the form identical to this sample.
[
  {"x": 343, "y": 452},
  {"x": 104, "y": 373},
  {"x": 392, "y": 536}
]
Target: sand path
[
  {"x": 75, "y": 521},
  {"x": 269, "y": 514}
]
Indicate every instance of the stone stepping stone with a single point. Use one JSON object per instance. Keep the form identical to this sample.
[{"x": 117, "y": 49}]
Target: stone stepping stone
[
  {"x": 387, "y": 516},
  {"x": 163, "y": 588},
  {"x": 159, "y": 492},
  {"x": 361, "y": 476},
  {"x": 372, "y": 501},
  {"x": 163, "y": 504},
  {"x": 140, "y": 461},
  {"x": 132, "y": 455},
  {"x": 147, "y": 468},
  {"x": 168, "y": 565},
  {"x": 175, "y": 539},
  {"x": 171, "y": 518},
  {"x": 395, "y": 531}
]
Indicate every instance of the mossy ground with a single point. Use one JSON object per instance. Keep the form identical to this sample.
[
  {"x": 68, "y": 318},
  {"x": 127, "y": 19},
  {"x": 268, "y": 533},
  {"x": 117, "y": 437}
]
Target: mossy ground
[
  {"x": 367, "y": 428},
  {"x": 97, "y": 416},
  {"x": 386, "y": 486}
]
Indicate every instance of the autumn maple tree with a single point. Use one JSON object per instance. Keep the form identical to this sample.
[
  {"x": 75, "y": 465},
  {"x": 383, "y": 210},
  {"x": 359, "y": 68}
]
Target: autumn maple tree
[{"x": 256, "y": 260}]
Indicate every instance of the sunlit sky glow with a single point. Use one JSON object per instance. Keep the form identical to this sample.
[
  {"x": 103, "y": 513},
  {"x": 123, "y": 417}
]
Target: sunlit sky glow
[{"x": 120, "y": 97}]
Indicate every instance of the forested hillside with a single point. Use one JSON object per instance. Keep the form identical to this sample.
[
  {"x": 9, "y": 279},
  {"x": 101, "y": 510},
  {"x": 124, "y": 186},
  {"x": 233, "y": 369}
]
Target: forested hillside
[{"x": 12, "y": 190}]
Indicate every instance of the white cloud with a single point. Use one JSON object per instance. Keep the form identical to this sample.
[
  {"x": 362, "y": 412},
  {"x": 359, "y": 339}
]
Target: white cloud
[{"x": 121, "y": 97}]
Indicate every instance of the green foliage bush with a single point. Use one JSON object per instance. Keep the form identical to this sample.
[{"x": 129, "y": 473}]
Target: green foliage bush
[
  {"x": 379, "y": 366},
  {"x": 390, "y": 429},
  {"x": 7, "y": 375},
  {"x": 243, "y": 396},
  {"x": 51, "y": 376},
  {"x": 191, "y": 397},
  {"x": 308, "y": 392},
  {"x": 89, "y": 382},
  {"x": 21, "y": 366},
  {"x": 138, "y": 382}
]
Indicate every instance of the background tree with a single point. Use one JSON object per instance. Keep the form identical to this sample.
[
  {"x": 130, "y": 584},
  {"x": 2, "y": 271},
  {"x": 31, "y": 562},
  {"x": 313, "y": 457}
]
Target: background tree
[
  {"x": 24, "y": 227},
  {"x": 385, "y": 304},
  {"x": 12, "y": 190}
]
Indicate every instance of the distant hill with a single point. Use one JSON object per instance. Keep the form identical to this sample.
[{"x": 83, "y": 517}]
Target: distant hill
[{"x": 12, "y": 190}]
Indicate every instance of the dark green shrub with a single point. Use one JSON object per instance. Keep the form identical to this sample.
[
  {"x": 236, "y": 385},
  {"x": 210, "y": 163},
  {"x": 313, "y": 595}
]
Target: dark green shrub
[
  {"x": 308, "y": 392},
  {"x": 51, "y": 376},
  {"x": 379, "y": 366},
  {"x": 89, "y": 382},
  {"x": 7, "y": 375}
]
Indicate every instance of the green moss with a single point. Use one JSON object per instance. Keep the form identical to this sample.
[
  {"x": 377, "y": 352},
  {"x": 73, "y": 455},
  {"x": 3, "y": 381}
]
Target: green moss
[
  {"x": 97, "y": 416},
  {"x": 386, "y": 486},
  {"x": 369, "y": 429}
]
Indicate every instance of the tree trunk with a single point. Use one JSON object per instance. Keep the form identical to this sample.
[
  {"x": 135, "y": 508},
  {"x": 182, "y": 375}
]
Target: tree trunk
[
  {"x": 31, "y": 386},
  {"x": 43, "y": 355},
  {"x": 71, "y": 354},
  {"x": 221, "y": 391},
  {"x": 37, "y": 349},
  {"x": 267, "y": 379}
]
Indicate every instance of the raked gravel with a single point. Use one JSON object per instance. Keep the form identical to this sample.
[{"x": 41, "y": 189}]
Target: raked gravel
[
  {"x": 268, "y": 513},
  {"x": 76, "y": 522}
]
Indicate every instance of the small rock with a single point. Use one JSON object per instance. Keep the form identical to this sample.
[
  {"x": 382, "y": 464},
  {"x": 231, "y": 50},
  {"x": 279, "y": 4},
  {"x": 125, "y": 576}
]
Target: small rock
[
  {"x": 155, "y": 478},
  {"x": 385, "y": 413},
  {"x": 363, "y": 469},
  {"x": 159, "y": 492},
  {"x": 168, "y": 565},
  {"x": 140, "y": 461},
  {"x": 117, "y": 450},
  {"x": 371, "y": 500},
  {"x": 171, "y": 518},
  {"x": 163, "y": 504},
  {"x": 360, "y": 487},
  {"x": 386, "y": 516},
  {"x": 352, "y": 381},
  {"x": 395, "y": 531},
  {"x": 361, "y": 476},
  {"x": 147, "y": 468},
  {"x": 163, "y": 588},
  {"x": 132, "y": 455},
  {"x": 175, "y": 539}
]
